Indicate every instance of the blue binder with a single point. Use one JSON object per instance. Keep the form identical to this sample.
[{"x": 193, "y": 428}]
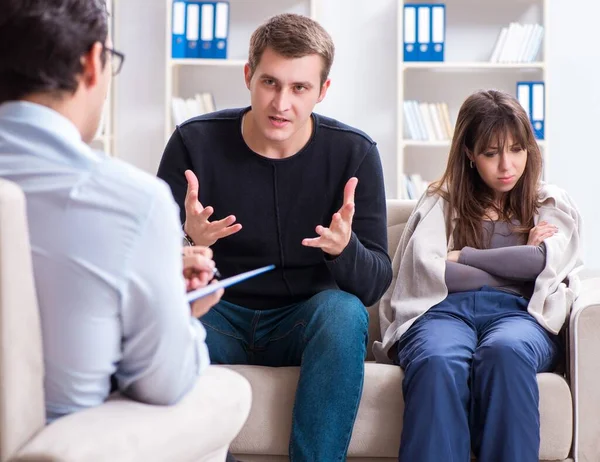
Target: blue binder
[
  {"x": 524, "y": 97},
  {"x": 411, "y": 52},
  {"x": 438, "y": 32},
  {"x": 207, "y": 29},
  {"x": 531, "y": 95},
  {"x": 178, "y": 41},
  {"x": 538, "y": 109},
  {"x": 192, "y": 30},
  {"x": 424, "y": 32},
  {"x": 221, "y": 30}
]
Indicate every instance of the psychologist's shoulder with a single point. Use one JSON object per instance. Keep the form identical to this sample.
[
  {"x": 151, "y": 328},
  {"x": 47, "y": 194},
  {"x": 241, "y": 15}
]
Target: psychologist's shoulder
[{"x": 133, "y": 186}]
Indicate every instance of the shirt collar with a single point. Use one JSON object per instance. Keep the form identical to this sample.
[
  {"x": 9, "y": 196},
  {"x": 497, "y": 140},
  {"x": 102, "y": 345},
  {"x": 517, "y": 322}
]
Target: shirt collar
[
  {"x": 46, "y": 122},
  {"x": 37, "y": 114}
]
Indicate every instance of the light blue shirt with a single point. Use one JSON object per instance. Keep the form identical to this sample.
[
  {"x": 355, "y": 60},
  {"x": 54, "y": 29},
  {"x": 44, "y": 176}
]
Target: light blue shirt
[{"x": 106, "y": 248}]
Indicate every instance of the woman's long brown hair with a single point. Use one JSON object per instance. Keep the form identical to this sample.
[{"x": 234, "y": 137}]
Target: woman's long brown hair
[{"x": 486, "y": 119}]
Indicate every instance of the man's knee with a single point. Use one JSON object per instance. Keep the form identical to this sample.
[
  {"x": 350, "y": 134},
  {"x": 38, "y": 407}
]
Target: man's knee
[
  {"x": 343, "y": 309},
  {"x": 341, "y": 317}
]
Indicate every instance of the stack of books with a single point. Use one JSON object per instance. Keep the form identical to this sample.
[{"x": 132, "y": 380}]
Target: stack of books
[
  {"x": 184, "y": 109},
  {"x": 518, "y": 43},
  {"x": 427, "y": 121},
  {"x": 412, "y": 186}
]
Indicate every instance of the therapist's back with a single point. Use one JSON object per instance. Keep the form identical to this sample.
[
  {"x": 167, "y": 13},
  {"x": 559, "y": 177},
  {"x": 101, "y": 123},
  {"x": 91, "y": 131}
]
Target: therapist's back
[{"x": 105, "y": 238}]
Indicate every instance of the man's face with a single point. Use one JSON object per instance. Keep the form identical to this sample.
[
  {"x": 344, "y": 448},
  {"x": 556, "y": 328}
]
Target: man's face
[{"x": 284, "y": 92}]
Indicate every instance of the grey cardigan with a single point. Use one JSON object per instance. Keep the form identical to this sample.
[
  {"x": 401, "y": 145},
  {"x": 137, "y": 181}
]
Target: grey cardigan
[{"x": 420, "y": 263}]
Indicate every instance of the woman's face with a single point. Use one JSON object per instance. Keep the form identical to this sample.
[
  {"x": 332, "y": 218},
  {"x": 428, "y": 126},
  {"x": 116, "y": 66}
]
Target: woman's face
[{"x": 501, "y": 170}]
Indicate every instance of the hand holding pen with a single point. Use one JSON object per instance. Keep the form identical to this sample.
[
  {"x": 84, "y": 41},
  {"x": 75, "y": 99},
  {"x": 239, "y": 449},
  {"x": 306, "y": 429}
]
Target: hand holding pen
[{"x": 198, "y": 270}]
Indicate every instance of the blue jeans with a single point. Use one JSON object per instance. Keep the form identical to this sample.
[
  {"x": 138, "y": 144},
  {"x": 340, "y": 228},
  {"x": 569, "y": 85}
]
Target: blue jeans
[
  {"x": 470, "y": 367},
  {"x": 326, "y": 336}
]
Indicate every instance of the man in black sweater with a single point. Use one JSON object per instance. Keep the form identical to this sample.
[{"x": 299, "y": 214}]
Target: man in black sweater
[{"x": 285, "y": 186}]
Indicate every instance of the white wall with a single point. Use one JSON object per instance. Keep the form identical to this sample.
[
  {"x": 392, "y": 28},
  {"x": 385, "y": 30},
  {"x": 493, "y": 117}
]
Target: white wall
[
  {"x": 140, "y": 87},
  {"x": 574, "y": 93},
  {"x": 363, "y": 91},
  {"x": 363, "y": 76}
]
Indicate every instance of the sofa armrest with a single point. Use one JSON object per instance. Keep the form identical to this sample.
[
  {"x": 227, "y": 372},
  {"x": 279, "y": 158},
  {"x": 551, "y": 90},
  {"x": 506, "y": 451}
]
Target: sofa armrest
[
  {"x": 201, "y": 425},
  {"x": 584, "y": 343},
  {"x": 21, "y": 360}
]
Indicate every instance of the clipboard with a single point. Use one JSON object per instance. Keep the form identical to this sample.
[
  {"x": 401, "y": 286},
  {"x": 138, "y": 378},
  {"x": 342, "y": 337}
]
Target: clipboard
[{"x": 210, "y": 288}]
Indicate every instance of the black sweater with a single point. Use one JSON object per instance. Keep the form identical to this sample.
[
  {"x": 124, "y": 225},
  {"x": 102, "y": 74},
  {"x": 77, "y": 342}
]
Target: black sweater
[{"x": 279, "y": 202}]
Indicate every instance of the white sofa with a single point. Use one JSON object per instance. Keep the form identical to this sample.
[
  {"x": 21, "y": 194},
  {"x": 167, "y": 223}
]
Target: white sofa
[
  {"x": 198, "y": 428},
  {"x": 570, "y": 408}
]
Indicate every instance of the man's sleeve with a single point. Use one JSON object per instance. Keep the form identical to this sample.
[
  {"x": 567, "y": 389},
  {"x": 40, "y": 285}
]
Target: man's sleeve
[
  {"x": 173, "y": 164},
  {"x": 163, "y": 346},
  {"x": 364, "y": 267}
]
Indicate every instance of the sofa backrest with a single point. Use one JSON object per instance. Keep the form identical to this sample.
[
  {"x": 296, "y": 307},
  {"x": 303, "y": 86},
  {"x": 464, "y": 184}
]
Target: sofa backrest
[
  {"x": 21, "y": 360},
  {"x": 398, "y": 212}
]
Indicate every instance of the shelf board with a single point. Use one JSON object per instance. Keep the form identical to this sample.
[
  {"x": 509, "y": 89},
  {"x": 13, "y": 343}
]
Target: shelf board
[
  {"x": 442, "y": 144},
  {"x": 431, "y": 144},
  {"x": 471, "y": 65},
  {"x": 208, "y": 62}
]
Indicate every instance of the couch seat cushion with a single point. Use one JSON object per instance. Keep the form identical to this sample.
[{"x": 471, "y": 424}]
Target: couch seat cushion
[{"x": 379, "y": 422}]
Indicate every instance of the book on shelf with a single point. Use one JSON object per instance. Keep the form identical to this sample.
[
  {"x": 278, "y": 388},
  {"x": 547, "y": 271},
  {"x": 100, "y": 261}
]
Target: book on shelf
[
  {"x": 412, "y": 186},
  {"x": 427, "y": 121},
  {"x": 185, "y": 109},
  {"x": 518, "y": 43}
]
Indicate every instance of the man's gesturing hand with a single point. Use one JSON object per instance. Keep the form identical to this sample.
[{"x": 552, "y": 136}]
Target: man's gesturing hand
[
  {"x": 197, "y": 226},
  {"x": 333, "y": 240}
]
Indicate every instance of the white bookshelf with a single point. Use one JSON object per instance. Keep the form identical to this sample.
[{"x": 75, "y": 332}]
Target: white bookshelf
[
  {"x": 105, "y": 139},
  {"x": 223, "y": 78},
  {"x": 443, "y": 144},
  {"x": 474, "y": 65},
  {"x": 208, "y": 62},
  {"x": 472, "y": 29}
]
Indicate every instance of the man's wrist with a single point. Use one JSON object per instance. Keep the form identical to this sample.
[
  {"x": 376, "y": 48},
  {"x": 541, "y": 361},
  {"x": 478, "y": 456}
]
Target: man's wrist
[
  {"x": 332, "y": 258},
  {"x": 187, "y": 240}
]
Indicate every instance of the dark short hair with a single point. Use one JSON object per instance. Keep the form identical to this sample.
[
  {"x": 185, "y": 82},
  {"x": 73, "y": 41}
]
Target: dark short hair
[{"x": 42, "y": 42}]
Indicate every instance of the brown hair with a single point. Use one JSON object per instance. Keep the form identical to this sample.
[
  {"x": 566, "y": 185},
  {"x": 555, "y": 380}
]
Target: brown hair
[
  {"x": 484, "y": 119},
  {"x": 292, "y": 36}
]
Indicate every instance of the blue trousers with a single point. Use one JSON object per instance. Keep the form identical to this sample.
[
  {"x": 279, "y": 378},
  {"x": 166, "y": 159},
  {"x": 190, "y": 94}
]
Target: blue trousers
[
  {"x": 326, "y": 336},
  {"x": 470, "y": 368}
]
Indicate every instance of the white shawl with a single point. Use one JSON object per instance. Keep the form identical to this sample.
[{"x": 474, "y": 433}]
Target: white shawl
[{"x": 420, "y": 264}]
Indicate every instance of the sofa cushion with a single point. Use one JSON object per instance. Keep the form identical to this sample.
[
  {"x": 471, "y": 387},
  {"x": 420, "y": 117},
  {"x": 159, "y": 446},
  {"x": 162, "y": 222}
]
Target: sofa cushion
[{"x": 379, "y": 423}]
